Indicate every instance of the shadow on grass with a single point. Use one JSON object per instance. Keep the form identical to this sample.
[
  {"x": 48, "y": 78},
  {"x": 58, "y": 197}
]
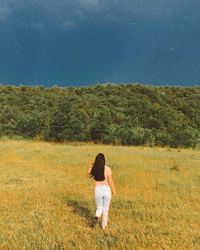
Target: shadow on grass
[{"x": 82, "y": 208}]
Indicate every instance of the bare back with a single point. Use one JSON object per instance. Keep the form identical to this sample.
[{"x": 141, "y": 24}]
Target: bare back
[{"x": 107, "y": 174}]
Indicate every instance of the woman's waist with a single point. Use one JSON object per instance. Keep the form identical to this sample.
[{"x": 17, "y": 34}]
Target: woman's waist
[{"x": 102, "y": 183}]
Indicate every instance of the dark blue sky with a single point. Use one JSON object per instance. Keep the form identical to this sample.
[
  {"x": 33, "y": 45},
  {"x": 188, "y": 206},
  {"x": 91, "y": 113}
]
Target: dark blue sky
[{"x": 81, "y": 42}]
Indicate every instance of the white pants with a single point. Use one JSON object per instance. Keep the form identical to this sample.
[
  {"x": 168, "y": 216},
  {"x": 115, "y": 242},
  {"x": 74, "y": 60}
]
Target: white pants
[{"x": 102, "y": 198}]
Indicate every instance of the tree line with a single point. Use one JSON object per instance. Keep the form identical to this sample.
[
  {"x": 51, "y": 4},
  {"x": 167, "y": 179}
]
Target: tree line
[{"x": 126, "y": 114}]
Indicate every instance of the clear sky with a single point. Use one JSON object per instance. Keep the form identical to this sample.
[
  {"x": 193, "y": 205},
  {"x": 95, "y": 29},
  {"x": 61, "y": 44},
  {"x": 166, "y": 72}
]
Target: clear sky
[{"x": 80, "y": 42}]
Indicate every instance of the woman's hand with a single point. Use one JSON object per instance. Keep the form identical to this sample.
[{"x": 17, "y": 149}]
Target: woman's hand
[{"x": 114, "y": 193}]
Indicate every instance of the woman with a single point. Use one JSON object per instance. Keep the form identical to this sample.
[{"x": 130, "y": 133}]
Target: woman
[{"x": 103, "y": 176}]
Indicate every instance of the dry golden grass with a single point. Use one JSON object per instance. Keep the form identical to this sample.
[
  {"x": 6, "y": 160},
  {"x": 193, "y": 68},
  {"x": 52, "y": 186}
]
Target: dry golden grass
[{"x": 46, "y": 199}]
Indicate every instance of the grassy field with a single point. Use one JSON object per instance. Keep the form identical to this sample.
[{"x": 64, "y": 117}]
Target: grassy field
[{"x": 46, "y": 198}]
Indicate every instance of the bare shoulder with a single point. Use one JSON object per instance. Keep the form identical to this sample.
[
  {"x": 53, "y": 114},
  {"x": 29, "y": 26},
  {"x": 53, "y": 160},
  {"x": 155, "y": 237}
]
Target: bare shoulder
[{"x": 108, "y": 169}]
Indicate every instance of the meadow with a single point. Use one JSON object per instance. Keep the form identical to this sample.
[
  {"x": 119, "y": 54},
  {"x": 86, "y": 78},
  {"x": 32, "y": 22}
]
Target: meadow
[{"x": 47, "y": 199}]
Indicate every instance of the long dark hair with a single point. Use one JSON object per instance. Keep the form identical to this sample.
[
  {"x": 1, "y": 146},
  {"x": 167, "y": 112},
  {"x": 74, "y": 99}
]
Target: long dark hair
[{"x": 97, "y": 171}]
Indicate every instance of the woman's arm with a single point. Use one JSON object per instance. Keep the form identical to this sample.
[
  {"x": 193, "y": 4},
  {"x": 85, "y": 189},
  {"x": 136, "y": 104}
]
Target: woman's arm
[
  {"x": 89, "y": 170},
  {"x": 111, "y": 183}
]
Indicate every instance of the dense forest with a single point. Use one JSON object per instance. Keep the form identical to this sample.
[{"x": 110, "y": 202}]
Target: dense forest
[{"x": 127, "y": 114}]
